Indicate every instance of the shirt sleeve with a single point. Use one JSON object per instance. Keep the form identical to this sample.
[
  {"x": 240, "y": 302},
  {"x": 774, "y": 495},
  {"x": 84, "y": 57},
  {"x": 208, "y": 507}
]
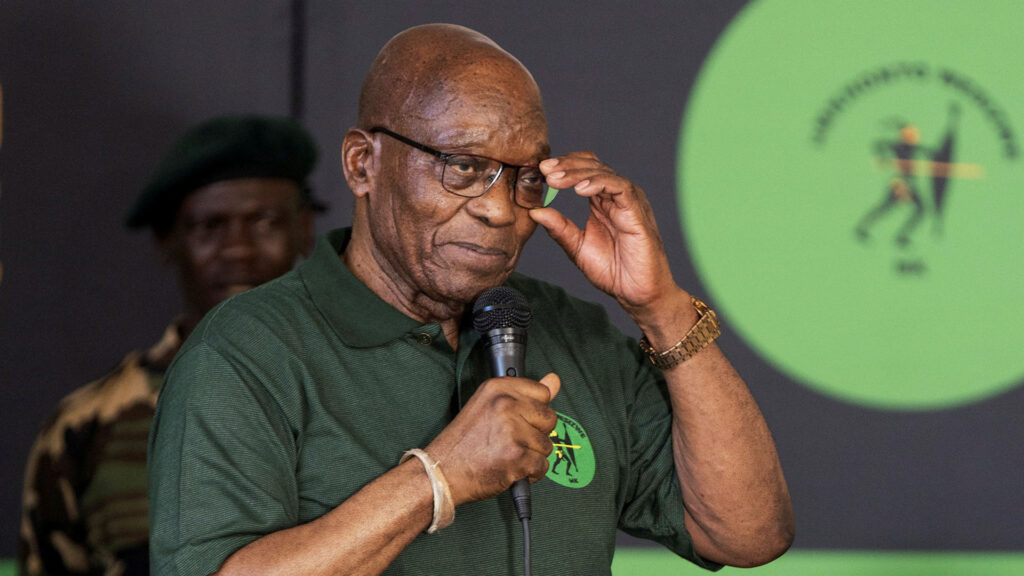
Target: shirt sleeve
[
  {"x": 222, "y": 462},
  {"x": 654, "y": 506},
  {"x": 53, "y": 538}
]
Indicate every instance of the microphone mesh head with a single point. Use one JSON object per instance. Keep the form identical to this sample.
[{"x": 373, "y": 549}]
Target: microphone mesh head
[{"x": 500, "y": 307}]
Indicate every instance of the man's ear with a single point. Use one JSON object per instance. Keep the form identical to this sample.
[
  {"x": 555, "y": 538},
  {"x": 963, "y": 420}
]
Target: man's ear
[{"x": 359, "y": 161}]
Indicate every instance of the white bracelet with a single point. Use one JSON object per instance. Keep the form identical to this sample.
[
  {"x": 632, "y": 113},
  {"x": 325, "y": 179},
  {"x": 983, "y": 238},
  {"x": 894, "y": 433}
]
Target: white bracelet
[{"x": 444, "y": 506}]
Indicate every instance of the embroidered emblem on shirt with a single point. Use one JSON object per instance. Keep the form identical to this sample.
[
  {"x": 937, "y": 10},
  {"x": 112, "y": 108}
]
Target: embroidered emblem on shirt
[{"x": 571, "y": 463}]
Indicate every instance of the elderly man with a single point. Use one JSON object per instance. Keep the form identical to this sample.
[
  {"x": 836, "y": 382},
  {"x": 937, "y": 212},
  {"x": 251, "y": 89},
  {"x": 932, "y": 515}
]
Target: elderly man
[
  {"x": 325, "y": 377},
  {"x": 229, "y": 209}
]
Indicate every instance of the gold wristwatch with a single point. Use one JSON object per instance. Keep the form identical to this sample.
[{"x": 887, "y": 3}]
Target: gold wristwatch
[{"x": 700, "y": 335}]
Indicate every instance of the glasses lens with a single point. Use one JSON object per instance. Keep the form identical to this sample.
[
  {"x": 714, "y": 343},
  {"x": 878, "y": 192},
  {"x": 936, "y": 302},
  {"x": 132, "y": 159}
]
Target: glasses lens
[
  {"x": 468, "y": 175},
  {"x": 531, "y": 188},
  {"x": 471, "y": 176}
]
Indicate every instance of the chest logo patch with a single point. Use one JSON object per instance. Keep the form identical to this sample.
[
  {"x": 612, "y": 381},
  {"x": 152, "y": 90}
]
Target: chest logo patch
[{"x": 571, "y": 463}]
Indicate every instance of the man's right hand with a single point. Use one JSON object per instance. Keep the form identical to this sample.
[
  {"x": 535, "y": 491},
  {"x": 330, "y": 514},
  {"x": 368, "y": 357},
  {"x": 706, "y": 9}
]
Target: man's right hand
[{"x": 501, "y": 435}]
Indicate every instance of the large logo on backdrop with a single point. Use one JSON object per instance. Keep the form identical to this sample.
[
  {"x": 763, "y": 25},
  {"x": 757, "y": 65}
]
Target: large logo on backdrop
[{"x": 852, "y": 194}]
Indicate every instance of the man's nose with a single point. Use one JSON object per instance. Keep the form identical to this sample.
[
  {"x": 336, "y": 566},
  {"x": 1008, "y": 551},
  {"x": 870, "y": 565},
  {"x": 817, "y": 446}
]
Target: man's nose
[
  {"x": 238, "y": 240},
  {"x": 496, "y": 206}
]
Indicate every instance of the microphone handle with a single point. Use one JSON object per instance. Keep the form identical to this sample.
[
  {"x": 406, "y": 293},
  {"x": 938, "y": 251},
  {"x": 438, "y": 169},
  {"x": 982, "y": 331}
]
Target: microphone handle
[
  {"x": 521, "y": 499},
  {"x": 507, "y": 350}
]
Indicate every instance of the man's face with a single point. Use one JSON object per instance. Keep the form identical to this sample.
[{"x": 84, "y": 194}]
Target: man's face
[
  {"x": 232, "y": 235},
  {"x": 429, "y": 241}
]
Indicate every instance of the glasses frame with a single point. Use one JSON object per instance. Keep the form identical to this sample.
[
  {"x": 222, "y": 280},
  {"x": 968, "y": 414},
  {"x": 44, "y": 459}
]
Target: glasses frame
[{"x": 445, "y": 156}]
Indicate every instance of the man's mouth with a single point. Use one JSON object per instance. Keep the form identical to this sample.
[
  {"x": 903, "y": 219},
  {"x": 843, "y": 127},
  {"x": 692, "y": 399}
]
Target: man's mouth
[
  {"x": 483, "y": 250},
  {"x": 478, "y": 256}
]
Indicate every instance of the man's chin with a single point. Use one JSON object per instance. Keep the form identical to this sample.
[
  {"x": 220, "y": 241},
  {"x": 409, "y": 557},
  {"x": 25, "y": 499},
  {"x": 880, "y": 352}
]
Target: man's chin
[
  {"x": 466, "y": 287},
  {"x": 235, "y": 289}
]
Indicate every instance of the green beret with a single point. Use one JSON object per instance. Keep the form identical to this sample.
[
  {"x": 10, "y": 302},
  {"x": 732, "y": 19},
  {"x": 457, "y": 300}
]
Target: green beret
[{"x": 224, "y": 148}]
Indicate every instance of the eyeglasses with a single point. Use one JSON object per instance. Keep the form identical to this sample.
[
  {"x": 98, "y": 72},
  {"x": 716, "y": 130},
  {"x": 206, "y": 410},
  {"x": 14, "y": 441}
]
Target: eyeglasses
[{"x": 471, "y": 175}]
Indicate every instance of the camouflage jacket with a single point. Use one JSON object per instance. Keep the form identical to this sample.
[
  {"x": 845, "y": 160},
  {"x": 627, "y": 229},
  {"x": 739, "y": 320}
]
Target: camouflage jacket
[{"x": 84, "y": 508}]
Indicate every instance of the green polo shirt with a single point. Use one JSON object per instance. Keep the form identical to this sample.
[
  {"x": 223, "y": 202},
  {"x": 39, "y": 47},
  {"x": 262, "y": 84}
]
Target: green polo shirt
[{"x": 289, "y": 398}]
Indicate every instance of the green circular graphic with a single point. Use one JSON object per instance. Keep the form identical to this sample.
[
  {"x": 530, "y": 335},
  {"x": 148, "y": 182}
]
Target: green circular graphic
[
  {"x": 850, "y": 183},
  {"x": 571, "y": 463}
]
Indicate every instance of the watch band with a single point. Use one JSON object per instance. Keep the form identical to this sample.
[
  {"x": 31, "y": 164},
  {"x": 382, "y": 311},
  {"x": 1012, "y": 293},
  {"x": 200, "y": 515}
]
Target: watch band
[{"x": 700, "y": 335}]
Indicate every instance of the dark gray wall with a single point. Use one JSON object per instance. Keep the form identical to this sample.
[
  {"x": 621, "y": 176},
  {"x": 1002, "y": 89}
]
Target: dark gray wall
[{"x": 93, "y": 93}]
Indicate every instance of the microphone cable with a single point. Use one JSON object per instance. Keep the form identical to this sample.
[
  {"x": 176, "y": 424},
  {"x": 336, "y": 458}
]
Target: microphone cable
[
  {"x": 522, "y": 503},
  {"x": 526, "y": 546}
]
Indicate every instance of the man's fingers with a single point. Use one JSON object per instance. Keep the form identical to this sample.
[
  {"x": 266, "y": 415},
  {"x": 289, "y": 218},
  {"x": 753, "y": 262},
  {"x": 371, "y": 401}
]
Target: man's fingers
[
  {"x": 553, "y": 382},
  {"x": 562, "y": 230},
  {"x": 513, "y": 386},
  {"x": 516, "y": 418},
  {"x": 566, "y": 171},
  {"x": 579, "y": 179},
  {"x": 523, "y": 400}
]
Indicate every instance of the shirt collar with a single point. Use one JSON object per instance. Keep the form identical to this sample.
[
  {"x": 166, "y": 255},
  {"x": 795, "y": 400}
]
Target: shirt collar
[{"x": 358, "y": 316}]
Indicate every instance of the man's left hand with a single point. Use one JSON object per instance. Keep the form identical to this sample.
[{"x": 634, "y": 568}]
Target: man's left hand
[
  {"x": 740, "y": 513},
  {"x": 619, "y": 250}
]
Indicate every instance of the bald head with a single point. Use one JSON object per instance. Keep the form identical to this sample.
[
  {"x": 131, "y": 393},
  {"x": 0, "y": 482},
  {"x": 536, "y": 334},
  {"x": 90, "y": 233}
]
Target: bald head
[{"x": 424, "y": 71}]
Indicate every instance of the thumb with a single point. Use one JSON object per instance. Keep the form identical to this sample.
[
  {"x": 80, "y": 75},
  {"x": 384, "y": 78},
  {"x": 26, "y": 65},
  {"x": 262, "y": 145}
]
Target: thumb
[
  {"x": 561, "y": 229},
  {"x": 553, "y": 383}
]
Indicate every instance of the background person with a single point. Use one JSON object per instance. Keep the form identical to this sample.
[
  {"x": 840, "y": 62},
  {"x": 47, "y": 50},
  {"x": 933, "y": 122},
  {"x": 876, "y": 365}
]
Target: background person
[{"x": 229, "y": 209}]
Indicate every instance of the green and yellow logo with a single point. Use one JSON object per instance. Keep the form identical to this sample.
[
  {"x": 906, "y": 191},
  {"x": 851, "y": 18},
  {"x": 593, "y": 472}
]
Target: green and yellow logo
[
  {"x": 571, "y": 463},
  {"x": 850, "y": 191}
]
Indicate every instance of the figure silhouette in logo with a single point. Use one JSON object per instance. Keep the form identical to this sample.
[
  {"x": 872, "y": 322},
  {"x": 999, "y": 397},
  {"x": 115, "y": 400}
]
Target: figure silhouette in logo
[
  {"x": 564, "y": 451},
  {"x": 902, "y": 190}
]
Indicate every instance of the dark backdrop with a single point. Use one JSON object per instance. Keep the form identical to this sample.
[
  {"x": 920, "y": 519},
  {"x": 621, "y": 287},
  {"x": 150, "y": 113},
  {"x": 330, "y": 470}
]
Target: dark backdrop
[{"x": 94, "y": 92}]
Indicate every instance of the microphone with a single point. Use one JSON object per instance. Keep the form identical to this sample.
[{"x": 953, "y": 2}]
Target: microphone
[{"x": 501, "y": 316}]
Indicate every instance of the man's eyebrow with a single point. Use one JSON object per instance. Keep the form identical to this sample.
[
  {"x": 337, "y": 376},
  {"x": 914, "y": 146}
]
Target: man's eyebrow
[{"x": 472, "y": 141}]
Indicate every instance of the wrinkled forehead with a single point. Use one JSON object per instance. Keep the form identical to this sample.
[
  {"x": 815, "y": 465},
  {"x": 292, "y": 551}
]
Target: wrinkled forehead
[
  {"x": 448, "y": 85},
  {"x": 491, "y": 102}
]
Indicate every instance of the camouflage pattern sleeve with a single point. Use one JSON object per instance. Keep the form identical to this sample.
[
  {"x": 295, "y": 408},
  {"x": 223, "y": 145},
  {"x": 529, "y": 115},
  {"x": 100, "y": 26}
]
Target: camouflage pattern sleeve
[
  {"x": 84, "y": 507},
  {"x": 53, "y": 535}
]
